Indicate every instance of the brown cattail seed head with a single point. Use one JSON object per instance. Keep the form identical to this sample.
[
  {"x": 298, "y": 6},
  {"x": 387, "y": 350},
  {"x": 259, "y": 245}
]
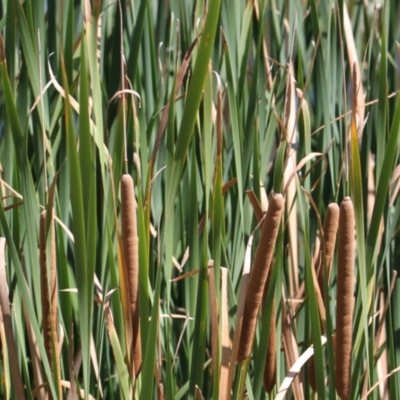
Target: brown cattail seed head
[
  {"x": 259, "y": 274},
  {"x": 345, "y": 299},
  {"x": 330, "y": 230},
  {"x": 131, "y": 262}
]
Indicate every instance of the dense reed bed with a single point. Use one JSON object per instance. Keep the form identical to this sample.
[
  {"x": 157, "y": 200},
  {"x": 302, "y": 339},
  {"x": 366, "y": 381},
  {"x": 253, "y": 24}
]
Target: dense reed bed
[{"x": 191, "y": 158}]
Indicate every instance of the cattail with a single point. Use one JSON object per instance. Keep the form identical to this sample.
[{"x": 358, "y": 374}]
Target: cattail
[
  {"x": 345, "y": 299},
  {"x": 330, "y": 230},
  {"x": 49, "y": 299},
  {"x": 269, "y": 380},
  {"x": 131, "y": 262},
  {"x": 262, "y": 262}
]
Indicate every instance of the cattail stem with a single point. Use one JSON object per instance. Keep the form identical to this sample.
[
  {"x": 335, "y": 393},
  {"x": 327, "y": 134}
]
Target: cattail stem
[
  {"x": 131, "y": 264},
  {"x": 259, "y": 274},
  {"x": 269, "y": 379},
  {"x": 225, "y": 340},
  {"x": 160, "y": 391},
  {"x": 345, "y": 299},
  {"x": 48, "y": 279}
]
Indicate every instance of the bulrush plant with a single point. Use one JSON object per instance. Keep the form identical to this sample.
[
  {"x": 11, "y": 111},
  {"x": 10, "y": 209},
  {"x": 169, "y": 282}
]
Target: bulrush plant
[
  {"x": 49, "y": 291},
  {"x": 131, "y": 266},
  {"x": 323, "y": 266},
  {"x": 259, "y": 274},
  {"x": 237, "y": 99},
  {"x": 345, "y": 299},
  {"x": 330, "y": 231},
  {"x": 269, "y": 379}
]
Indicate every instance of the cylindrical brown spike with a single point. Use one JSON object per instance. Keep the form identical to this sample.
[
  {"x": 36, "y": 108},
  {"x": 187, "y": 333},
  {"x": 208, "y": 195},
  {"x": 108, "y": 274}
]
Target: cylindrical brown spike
[
  {"x": 269, "y": 380},
  {"x": 131, "y": 261},
  {"x": 259, "y": 275},
  {"x": 345, "y": 299},
  {"x": 330, "y": 230}
]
